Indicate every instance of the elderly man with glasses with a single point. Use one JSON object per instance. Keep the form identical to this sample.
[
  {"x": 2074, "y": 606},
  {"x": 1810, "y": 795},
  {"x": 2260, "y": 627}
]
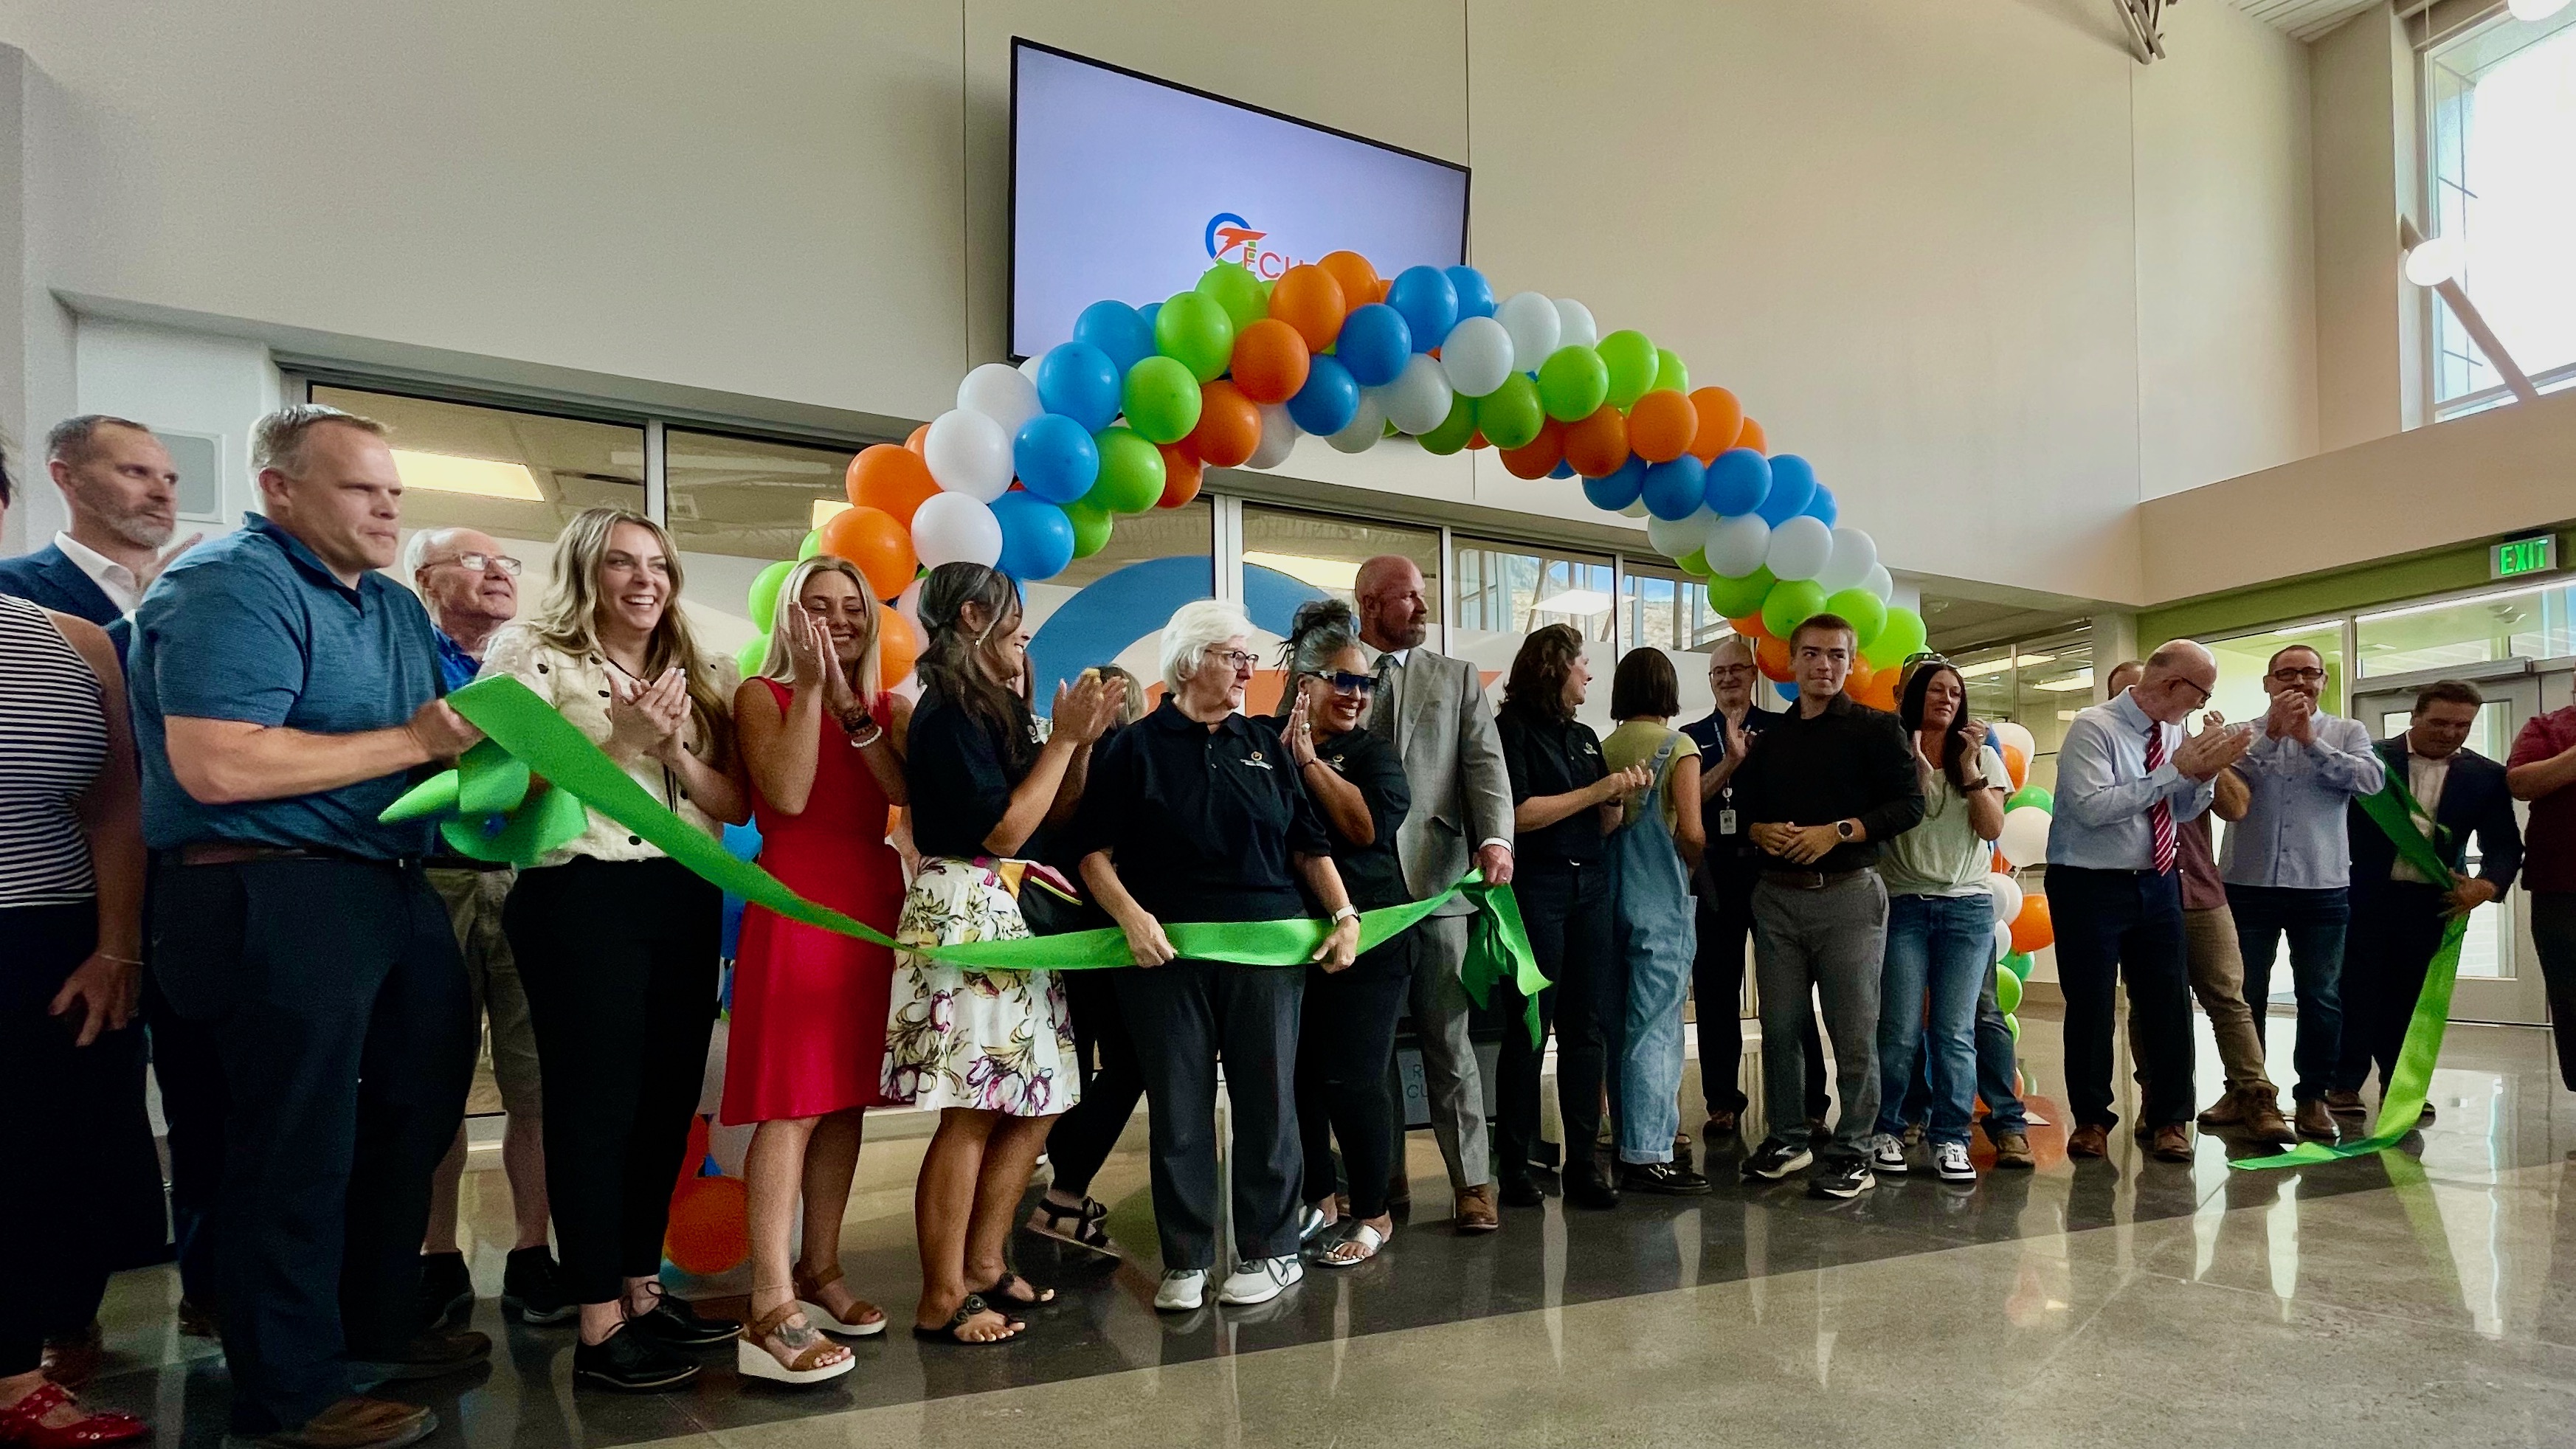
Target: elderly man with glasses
[{"x": 2288, "y": 864}]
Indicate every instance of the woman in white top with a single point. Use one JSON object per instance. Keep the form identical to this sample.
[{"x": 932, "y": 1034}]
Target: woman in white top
[{"x": 618, "y": 943}]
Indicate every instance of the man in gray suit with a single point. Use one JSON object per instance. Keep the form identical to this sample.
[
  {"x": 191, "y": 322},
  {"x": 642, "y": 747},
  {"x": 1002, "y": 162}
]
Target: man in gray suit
[{"x": 1432, "y": 709}]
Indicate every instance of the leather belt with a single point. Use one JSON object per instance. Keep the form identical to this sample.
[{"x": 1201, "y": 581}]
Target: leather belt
[
  {"x": 233, "y": 852},
  {"x": 466, "y": 862},
  {"x": 1810, "y": 880}
]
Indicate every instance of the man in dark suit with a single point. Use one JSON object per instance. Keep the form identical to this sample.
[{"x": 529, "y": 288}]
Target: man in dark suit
[
  {"x": 2398, "y": 915},
  {"x": 123, "y": 492}
]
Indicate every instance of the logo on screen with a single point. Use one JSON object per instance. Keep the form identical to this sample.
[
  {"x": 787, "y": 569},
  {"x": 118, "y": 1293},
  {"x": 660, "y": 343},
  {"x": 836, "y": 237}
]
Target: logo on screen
[{"x": 1231, "y": 238}]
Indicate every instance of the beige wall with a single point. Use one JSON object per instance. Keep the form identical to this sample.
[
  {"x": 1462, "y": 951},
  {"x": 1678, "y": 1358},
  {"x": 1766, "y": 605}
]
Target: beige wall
[{"x": 2361, "y": 78}]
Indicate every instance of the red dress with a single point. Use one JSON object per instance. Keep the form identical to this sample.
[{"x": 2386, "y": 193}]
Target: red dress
[{"x": 809, "y": 1005}]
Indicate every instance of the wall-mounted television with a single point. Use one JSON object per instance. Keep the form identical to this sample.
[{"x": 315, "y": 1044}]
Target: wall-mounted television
[{"x": 1124, "y": 186}]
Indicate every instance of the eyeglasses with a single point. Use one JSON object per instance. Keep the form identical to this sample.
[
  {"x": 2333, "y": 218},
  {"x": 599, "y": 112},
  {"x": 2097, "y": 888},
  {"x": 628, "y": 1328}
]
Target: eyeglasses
[
  {"x": 1923, "y": 656},
  {"x": 1345, "y": 683},
  {"x": 2195, "y": 688},
  {"x": 2300, "y": 676},
  {"x": 485, "y": 562},
  {"x": 1729, "y": 671},
  {"x": 1234, "y": 659}
]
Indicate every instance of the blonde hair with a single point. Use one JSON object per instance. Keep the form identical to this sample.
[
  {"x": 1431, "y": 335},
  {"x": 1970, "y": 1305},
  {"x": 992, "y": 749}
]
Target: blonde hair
[
  {"x": 870, "y": 680},
  {"x": 277, "y": 440},
  {"x": 568, "y": 619}
]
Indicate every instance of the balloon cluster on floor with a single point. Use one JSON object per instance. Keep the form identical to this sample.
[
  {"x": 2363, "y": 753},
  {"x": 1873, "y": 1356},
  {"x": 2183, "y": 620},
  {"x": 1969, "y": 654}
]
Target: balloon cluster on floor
[{"x": 2022, "y": 926}]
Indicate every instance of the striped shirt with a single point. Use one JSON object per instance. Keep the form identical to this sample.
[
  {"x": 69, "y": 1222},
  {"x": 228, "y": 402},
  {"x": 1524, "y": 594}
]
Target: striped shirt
[{"x": 53, "y": 740}]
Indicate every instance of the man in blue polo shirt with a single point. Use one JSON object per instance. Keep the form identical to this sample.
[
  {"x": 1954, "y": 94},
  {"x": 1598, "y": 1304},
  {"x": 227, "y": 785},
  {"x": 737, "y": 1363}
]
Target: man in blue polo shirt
[{"x": 284, "y": 695}]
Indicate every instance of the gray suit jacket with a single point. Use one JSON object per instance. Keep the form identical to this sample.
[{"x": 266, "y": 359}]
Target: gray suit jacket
[{"x": 1453, "y": 760}]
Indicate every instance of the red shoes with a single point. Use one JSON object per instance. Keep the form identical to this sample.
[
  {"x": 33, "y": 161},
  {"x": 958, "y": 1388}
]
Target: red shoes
[{"x": 23, "y": 1423}]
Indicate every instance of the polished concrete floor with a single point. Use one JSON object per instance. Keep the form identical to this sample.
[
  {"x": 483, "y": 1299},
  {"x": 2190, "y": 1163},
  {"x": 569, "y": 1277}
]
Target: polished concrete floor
[{"x": 2409, "y": 1298}]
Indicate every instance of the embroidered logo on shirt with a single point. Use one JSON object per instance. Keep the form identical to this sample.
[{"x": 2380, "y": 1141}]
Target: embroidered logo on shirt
[{"x": 1254, "y": 759}]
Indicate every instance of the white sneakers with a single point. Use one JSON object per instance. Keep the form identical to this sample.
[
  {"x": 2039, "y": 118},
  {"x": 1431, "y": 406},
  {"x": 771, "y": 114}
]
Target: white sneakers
[
  {"x": 1183, "y": 1289},
  {"x": 1950, "y": 1162},
  {"x": 1260, "y": 1280},
  {"x": 1887, "y": 1155}
]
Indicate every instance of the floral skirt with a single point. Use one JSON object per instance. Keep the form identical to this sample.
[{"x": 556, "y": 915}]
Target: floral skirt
[{"x": 995, "y": 1041}]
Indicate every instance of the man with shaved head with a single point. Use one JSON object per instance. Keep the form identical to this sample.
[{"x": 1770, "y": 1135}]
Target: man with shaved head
[{"x": 2127, "y": 778}]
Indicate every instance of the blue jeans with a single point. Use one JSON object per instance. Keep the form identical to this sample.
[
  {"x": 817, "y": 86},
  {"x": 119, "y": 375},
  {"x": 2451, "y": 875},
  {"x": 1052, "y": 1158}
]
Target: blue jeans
[
  {"x": 2313, "y": 921},
  {"x": 1936, "y": 949},
  {"x": 1998, "y": 1067}
]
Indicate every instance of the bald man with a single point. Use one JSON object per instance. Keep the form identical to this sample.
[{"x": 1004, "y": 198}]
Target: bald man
[{"x": 2127, "y": 779}]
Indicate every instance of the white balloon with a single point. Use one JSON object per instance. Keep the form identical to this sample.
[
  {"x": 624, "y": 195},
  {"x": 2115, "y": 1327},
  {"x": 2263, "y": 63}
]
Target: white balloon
[
  {"x": 2004, "y": 732},
  {"x": 956, "y": 528},
  {"x": 1418, "y": 400},
  {"x": 1531, "y": 322},
  {"x": 1854, "y": 555},
  {"x": 1575, "y": 327},
  {"x": 908, "y": 603},
  {"x": 1799, "y": 548},
  {"x": 1880, "y": 582},
  {"x": 1477, "y": 355},
  {"x": 1366, "y": 426},
  {"x": 2003, "y": 942},
  {"x": 1279, "y": 435},
  {"x": 1029, "y": 367},
  {"x": 1674, "y": 537},
  {"x": 2007, "y": 894},
  {"x": 1739, "y": 545},
  {"x": 2024, "y": 840},
  {"x": 969, "y": 453},
  {"x": 1001, "y": 392}
]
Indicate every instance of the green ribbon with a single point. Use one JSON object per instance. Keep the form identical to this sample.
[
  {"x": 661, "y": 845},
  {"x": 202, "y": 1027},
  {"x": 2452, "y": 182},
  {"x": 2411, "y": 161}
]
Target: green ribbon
[
  {"x": 525, "y": 737},
  {"x": 2401, "y": 1102}
]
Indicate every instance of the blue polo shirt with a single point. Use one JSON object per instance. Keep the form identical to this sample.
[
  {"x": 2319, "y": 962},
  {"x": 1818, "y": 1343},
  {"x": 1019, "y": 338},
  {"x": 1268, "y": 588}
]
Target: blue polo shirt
[{"x": 254, "y": 627}]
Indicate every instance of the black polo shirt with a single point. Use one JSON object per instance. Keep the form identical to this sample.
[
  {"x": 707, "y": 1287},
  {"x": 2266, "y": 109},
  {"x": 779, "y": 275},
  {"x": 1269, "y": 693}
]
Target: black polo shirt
[
  {"x": 1552, "y": 757},
  {"x": 1726, "y": 854},
  {"x": 1849, "y": 762},
  {"x": 1371, "y": 873},
  {"x": 1200, "y": 822},
  {"x": 960, "y": 769}
]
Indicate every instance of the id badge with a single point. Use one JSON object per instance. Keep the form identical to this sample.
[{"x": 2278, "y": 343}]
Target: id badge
[{"x": 1726, "y": 822}]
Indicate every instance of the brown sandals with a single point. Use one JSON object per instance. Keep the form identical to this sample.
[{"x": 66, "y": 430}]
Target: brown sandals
[{"x": 813, "y": 1363}]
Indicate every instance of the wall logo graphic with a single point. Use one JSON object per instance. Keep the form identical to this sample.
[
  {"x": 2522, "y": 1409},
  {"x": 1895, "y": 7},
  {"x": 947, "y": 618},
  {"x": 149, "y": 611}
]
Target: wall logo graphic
[{"x": 1231, "y": 238}]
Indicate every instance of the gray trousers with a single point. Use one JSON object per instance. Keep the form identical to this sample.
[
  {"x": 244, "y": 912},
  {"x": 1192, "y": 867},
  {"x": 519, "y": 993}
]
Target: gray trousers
[
  {"x": 1824, "y": 945},
  {"x": 1450, "y": 1076}
]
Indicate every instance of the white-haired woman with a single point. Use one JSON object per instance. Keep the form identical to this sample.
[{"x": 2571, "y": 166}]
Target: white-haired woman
[
  {"x": 616, "y": 942},
  {"x": 1195, "y": 814},
  {"x": 822, "y": 743}
]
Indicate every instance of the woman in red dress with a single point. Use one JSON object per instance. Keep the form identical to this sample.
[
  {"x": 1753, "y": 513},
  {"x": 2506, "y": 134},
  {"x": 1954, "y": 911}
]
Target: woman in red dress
[{"x": 824, "y": 747}]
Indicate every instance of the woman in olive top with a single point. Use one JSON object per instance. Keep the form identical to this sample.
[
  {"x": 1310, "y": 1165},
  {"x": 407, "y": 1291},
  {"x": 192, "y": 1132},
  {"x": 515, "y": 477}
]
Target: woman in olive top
[
  {"x": 1654, "y": 852},
  {"x": 1564, "y": 802}
]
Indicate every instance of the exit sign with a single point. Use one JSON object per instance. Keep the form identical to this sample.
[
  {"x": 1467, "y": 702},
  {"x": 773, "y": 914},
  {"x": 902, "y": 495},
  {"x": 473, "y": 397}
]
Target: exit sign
[{"x": 2520, "y": 556}]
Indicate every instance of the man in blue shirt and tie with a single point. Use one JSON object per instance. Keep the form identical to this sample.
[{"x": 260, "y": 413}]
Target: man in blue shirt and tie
[{"x": 2127, "y": 777}]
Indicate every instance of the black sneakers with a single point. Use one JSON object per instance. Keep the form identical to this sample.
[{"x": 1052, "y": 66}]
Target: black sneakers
[
  {"x": 446, "y": 1291},
  {"x": 1846, "y": 1178},
  {"x": 675, "y": 1323},
  {"x": 631, "y": 1362},
  {"x": 1775, "y": 1159},
  {"x": 1671, "y": 1179},
  {"x": 532, "y": 1289}
]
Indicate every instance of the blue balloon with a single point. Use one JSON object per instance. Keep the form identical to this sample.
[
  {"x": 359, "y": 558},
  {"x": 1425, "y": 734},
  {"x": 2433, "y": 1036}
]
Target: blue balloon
[
  {"x": 1126, "y": 334},
  {"x": 1374, "y": 343},
  {"x": 1149, "y": 311},
  {"x": 1788, "y": 689},
  {"x": 1428, "y": 302},
  {"x": 1738, "y": 482},
  {"x": 1673, "y": 491},
  {"x": 1561, "y": 470},
  {"x": 1475, "y": 294},
  {"x": 1037, "y": 539},
  {"x": 1617, "y": 490},
  {"x": 1793, "y": 487},
  {"x": 1079, "y": 381},
  {"x": 1822, "y": 505},
  {"x": 1055, "y": 458},
  {"x": 1330, "y": 398}
]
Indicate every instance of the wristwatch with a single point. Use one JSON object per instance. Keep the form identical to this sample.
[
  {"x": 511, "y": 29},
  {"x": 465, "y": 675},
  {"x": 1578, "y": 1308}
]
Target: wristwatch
[
  {"x": 1346, "y": 913},
  {"x": 1846, "y": 829}
]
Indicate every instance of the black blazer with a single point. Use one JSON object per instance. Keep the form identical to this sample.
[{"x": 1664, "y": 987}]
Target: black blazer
[
  {"x": 48, "y": 578},
  {"x": 2474, "y": 800}
]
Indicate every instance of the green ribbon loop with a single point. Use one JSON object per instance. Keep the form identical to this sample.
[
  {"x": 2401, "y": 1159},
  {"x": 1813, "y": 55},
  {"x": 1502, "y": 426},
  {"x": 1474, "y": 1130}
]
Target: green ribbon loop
[{"x": 525, "y": 737}]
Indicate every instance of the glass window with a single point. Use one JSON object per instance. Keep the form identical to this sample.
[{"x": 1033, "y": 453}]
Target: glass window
[
  {"x": 1668, "y": 609},
  {"x": 2244, "y": 658},
  {"x": 1290, "y": 557},
  {"x": 734, "y": 506},
  {"x": 2531, "y": 623},
  {"x": 1110, "y": 608},
  {"x": 1505, "y": 591},
  {"x": 2039, "y": 684}
]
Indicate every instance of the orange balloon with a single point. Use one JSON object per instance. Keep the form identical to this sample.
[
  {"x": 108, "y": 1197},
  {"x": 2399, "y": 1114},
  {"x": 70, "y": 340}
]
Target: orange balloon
[
  {"x": 2032, "y": 930},
  {"x": 1269, "y": 361},
  {"x": 1856, "y": 683},
  {"x": 1310, "y": 299},
  {"x": 2016, "y": 764},
  {"x": 1541, "y": 456},
  {"x": 1597, "y": 446},
  {"x": 919, "y": 440},
  {"x": 1661, "y": 425},
  {"x": 1721, "y": 418},
  {"x": 1771, "y": 656},
  {"x": 1182, "y": 473},
  {"x": 898, "y": 645},
  {"x": 1359, "y": 280},
  {"x": 709, "y": 1231},
  {"x": 1752, "y": 436},
  {"x": 1750, "y": 626},
  {"x": 1476, "y": 440},
  {"x": 1880, "y": 693},
  {"x": 1229, "y": 425},
  {"x": 881, "y": 547},
  {"x": 891, "y": 479}
]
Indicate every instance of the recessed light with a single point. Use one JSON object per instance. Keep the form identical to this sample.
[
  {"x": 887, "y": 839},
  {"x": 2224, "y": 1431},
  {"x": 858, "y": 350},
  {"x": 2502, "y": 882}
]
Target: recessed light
[{"x": 480, "y": 477}]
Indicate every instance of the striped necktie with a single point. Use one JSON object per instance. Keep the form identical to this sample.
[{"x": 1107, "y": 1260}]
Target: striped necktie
[{"x": 2160, "y": 815}]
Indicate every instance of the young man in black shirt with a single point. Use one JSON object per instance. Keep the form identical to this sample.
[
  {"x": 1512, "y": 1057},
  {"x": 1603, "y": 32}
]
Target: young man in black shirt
[{"x": 1826, "y": 782}]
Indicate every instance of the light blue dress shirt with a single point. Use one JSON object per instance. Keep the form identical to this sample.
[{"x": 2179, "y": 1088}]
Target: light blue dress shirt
[
  {"x": 2293, "y": 831},
  {"x": 2104, "y": 789}
]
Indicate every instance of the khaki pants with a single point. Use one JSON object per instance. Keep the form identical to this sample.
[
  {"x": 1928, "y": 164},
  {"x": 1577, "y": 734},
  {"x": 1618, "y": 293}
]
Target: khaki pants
[{"x": 473, "y": 899}]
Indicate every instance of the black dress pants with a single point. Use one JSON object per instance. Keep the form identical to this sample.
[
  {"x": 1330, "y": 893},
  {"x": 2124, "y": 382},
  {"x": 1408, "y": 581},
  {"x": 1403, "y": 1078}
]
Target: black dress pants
[
  {"x": 1725, "y": 912},
  {"x": 1182, "y": 1015},
  {"x": 2396, "y": 927},
  {"x": 1105, "y": 1056},
  {"x": 1568, "y": 911},
  {"x": 1344, "y": 1048},
  {"x": 334, "y": 995},
  {"x": 2118, "y": 926},
  {"x": 188, "y": 1064},
  {"x": 619, "y": 960}
]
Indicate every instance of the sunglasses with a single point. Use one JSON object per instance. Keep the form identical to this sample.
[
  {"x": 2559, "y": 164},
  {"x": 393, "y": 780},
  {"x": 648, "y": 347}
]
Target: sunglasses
[{"x": 1347, "y": 683}]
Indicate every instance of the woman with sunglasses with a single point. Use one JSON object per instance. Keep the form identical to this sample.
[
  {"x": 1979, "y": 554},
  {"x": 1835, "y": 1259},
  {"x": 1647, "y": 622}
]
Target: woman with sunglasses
[{"x": 1347, "y": 1038}]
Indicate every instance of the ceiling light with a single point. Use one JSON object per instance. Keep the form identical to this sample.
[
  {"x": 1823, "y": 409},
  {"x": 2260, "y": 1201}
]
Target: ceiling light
[
  {"x": 1323, "y": 573},
  {"x": 1980, "y": 671},
  {"x": 2068, "y": 713},
  {"x": 2080, "y": 679},
  {"x": 1580, "y": 602},
  {"x": 825, "y": 508},
  {"x": 481, "y": 477},
  {"x": 2411, "y": 609},
  {"x": 2436, "y": 259},
  {"x": 2532, "y": 12}
]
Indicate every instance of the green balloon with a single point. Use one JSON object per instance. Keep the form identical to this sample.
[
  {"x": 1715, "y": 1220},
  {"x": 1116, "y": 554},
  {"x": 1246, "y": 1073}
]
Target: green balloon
[
  {"x": 1630, "y": 356},
  {"x": 1090, "y": 526},
  {"x": 1669, "y": 371},
  {"x": 2031, "y": 795},
  {"x": 1791, "y": 603},
  {"x": 1161, "y": 399},
  {"x": 812, "y": 545},
  {"x": 1867, "y": 612},
  {"x": 752, "y": 655},
  {"x": 2012, "y": 1024},
  {"x": 1131, "y": 472},
  {"x": 1454, "y": 431},
  {"x": 2008, "y": 988},
  {"x": 1694, "y": 563},
  {"x": 1194, "y": 329},
  {"x": 1900, "y": 636},
  {"x": 1511, "y": 415},
  {"x": 1735, "y": 598},
  {"x": 1572, "y": 383},
  {"x": 764, "y": 591},
  {"x": 1237, "y": 291}
]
